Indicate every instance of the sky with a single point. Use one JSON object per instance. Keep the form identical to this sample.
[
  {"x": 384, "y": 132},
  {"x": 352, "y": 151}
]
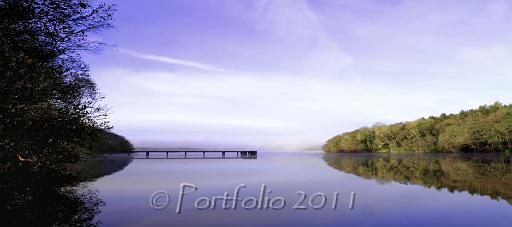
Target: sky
[{"x": 289, "y": 74}]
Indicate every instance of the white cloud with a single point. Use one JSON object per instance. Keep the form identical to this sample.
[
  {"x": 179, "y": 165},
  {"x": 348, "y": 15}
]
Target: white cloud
[{"x": 173, "y": 61}]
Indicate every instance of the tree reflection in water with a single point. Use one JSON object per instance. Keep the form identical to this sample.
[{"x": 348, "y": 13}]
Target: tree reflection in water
[
  {"x": 482, "y": 174},
  {"x": 51, "y": 199}
]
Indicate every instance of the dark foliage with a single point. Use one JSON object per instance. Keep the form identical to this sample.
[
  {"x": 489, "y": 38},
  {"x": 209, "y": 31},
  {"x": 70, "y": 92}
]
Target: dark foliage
[
  {"x": 48, "y": 107},
  {"x": 50, "y": 119},
  {"x": 109, "y": 142}
]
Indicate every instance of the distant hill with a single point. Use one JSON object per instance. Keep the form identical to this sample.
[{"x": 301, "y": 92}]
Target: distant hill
[{"x": 485, "y": 129}]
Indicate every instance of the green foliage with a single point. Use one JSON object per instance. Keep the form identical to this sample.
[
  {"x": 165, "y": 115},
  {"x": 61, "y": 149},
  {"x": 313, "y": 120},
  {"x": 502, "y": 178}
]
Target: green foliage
[{"x": 486, "y": 129}]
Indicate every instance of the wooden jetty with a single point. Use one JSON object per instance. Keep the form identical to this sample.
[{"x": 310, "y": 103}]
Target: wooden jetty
[{"x": 239, "y": 154}]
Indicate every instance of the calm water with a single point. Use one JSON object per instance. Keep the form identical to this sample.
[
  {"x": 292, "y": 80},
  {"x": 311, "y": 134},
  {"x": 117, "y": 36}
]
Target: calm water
[{"x": 407, "y": 190}]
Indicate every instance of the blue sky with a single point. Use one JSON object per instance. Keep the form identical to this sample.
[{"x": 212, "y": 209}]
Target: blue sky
[{"x": 292, "y": 73}]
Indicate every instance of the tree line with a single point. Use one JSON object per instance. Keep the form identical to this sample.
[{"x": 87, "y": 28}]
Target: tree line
[
  {"x": 50, "y": 117},
  {"x": 485, "y": 129},
  {"x": 50, "y": 114}
]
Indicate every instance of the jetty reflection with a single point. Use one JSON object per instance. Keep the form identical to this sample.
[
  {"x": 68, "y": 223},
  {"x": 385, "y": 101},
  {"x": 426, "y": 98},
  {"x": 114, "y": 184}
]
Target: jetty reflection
[{"x": 482, "y": 174}]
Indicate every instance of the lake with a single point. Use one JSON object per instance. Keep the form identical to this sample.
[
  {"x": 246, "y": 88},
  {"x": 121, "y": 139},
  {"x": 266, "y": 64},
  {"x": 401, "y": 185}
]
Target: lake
[{"x": 371, "y": 189}]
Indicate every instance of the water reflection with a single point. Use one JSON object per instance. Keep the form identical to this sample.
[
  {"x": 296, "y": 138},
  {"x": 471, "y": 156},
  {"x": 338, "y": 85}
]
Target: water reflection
[
  {"x": 482, "y": 174},
  {"x": 48, "y": 199},
  {"x": 44, "y": 206},
  {"x": 128, "y": 192}
]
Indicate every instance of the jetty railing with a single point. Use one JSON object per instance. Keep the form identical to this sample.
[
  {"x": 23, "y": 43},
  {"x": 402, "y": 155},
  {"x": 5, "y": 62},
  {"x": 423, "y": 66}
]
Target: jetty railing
[{"x": 239, "y": 154}]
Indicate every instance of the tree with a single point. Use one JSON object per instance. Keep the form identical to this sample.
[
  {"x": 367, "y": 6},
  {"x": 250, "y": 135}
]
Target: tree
[
  {"x": 485, "y": 129},
  {"x": 49, "y": 108}
]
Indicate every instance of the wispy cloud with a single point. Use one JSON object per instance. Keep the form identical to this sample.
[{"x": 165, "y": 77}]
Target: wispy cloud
[
  {"x": 306, "y": 70},
  {"x": 294, "y": 22},
  {"x": 174, "y": 61}
]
